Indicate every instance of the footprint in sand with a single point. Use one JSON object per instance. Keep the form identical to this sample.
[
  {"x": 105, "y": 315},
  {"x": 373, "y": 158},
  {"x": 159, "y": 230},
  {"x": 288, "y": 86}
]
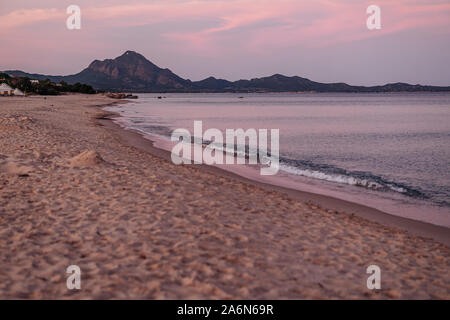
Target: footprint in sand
[
  {"x": 14, "y": 167},
  {"x": 86, "y": 159}
]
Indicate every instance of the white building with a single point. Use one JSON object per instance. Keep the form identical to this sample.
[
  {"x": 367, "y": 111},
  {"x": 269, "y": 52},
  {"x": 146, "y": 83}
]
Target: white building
[
  {"x": 18, "y": 92},
  {"x": 5, "y": 90}
]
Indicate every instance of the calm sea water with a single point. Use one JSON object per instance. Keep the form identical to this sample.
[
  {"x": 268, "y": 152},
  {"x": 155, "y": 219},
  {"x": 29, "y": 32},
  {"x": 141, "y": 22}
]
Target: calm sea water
[{"x": 389, "y": 151}]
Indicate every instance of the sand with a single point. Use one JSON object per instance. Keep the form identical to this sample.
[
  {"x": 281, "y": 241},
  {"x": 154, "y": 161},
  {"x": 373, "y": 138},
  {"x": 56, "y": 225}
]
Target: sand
[{"x": 74, "y": 192}]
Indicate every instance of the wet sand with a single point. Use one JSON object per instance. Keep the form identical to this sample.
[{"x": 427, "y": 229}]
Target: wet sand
[{"x": 78, "y": 190}]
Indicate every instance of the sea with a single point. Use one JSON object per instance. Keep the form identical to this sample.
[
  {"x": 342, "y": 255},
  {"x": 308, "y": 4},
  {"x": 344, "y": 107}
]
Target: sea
[{"x": 389, "y": 151}]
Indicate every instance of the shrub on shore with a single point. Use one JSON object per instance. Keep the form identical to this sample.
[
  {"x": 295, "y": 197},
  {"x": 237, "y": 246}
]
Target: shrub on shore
[{"x": 45, "y": 87}]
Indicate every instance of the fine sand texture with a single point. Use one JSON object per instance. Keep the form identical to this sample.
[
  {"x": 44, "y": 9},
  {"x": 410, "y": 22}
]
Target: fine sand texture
[{"x": 73, "y": 192}]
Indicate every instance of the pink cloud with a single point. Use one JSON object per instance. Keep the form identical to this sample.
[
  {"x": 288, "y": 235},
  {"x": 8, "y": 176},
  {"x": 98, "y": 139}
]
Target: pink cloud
[
  {"x": 331, "y": 22},
  {"x": 21, "y": 17},
  {"x": 281, "y": 23}
]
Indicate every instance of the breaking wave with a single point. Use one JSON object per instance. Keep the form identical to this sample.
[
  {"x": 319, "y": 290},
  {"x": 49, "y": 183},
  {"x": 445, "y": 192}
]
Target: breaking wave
[{"x": 338, "y": 175}]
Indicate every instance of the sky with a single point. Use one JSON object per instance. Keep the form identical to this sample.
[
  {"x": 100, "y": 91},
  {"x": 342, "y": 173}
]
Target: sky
[{"x": 323, "y": 40}]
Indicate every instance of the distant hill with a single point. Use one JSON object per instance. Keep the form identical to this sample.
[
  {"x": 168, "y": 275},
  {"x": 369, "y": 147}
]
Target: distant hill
[{"x": 133, "y": 72}]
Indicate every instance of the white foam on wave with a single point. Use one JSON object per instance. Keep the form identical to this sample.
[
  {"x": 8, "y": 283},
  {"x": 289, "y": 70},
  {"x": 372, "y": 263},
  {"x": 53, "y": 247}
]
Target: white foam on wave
[{"x": 339, "y": 178}]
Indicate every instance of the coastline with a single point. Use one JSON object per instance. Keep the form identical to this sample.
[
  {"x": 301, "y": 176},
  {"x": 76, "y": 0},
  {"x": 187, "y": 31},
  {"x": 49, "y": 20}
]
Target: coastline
[
  {"x": 438, "y": 233},
  {"x": 76, "y": 189}
]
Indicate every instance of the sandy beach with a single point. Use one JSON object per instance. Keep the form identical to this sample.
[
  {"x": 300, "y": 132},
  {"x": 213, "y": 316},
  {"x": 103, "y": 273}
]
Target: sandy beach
[{"x": 77, "y": 190}]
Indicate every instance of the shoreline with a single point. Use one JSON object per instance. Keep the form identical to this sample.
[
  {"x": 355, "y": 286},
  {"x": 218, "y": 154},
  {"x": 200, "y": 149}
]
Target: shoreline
[
  {"x": 136, "y": 139},
  {"x": 79, "y": 190}
]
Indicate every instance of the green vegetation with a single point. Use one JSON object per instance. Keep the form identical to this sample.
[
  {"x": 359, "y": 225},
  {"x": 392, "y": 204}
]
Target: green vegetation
[{"x": 45, "y": 87}]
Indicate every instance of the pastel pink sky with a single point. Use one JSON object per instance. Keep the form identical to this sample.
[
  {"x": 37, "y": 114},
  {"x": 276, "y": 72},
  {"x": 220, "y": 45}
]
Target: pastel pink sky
[{"x": 324, "y": 40}]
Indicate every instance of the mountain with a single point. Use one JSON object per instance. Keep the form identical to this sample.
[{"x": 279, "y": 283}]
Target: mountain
[
  {"x": 133, "y": 72},
  {"x": 129, "y": 72}
]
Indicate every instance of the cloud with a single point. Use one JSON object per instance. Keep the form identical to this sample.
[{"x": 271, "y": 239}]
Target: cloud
[
  {"x": 23, "y": 17},
  {"x": 253, "y": 24}
]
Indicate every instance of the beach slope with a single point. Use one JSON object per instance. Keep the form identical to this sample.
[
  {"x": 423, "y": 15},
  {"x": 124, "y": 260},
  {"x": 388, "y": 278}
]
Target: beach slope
[{"x": 73, "y": 193}]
